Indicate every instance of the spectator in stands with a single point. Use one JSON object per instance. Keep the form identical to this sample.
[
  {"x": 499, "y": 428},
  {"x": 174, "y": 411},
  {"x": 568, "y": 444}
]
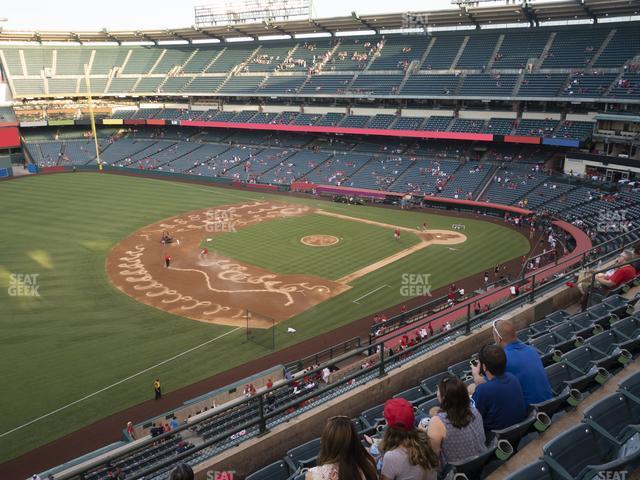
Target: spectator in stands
[
  {"x": 408, "y": 454},
  {"x": 342, "y": 455},
  {"x": 498, "y": 394},
  {"x": 612, "y": 278},
  {"x": 182, "y": 471},
  {"x": 523, "y": 362},
  {"x": 456, "y": 432},
  {"x": 130, "y": 431}
]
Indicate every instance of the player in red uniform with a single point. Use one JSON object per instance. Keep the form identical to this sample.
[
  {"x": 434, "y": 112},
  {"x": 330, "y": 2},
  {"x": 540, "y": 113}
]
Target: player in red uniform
[{"x": 396, "y": 234}]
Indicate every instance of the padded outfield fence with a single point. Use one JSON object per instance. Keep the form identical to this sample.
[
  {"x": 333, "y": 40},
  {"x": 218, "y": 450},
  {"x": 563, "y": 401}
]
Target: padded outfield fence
[{"x": 230, "y": 425}]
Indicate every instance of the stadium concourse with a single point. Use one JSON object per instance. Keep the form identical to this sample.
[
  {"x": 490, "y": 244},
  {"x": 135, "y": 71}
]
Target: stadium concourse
[{"x": 525, "y": 116}]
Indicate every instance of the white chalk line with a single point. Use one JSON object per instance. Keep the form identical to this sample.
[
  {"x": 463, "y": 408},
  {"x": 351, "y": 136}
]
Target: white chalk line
[
  {"x": 86, "y": 397},
  {"x": 372, "y": 291}
]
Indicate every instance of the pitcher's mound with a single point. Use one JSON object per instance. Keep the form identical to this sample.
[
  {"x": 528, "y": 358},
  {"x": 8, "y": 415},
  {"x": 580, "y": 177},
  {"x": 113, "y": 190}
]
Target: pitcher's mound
[{"x": 319, "y": 240}]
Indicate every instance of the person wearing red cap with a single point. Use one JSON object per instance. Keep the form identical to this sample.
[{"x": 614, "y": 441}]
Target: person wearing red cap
[
  {"x": 408, "y": 452},
  {"x": 342, "y": 454}
]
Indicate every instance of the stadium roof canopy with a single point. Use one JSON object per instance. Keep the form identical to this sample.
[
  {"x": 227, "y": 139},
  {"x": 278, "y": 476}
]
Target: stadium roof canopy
[{"x": 533, "y": 13}]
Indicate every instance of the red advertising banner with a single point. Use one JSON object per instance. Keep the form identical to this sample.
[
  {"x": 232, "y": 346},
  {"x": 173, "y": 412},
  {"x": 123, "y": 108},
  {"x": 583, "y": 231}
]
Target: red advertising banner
[
  {"x": 484, "y": 137},
  {"x": 521, "y": 139},
  {"x": 9, "y": 137}
]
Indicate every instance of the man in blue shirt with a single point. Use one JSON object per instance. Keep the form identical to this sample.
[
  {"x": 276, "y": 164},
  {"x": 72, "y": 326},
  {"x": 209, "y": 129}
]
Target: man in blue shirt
[
  {"x": 499, "y": 399},
  {"x": 524, "y": 362}
]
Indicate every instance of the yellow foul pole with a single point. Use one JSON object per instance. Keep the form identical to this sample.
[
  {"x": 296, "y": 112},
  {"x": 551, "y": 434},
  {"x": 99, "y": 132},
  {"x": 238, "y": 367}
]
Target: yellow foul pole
[{"x": 93, "y": 120}]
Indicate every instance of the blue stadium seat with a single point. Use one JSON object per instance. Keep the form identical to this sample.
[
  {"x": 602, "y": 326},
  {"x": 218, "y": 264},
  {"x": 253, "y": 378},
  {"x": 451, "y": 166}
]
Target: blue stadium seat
[
  {"x": 303, "y": 456},
  {"x": 537, "y": 470},
  {"x": 581, "y": 452},
  {"x": 275, "y": 471}
]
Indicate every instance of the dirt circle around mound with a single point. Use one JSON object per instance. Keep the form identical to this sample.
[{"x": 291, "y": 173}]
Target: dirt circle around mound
[{"x": 319, "y": 240}]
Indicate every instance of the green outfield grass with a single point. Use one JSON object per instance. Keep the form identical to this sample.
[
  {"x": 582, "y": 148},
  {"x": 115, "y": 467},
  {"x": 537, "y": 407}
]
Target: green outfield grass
[
  {"x": 81, "y": 335},
  {"x": 275, "y": 245}
]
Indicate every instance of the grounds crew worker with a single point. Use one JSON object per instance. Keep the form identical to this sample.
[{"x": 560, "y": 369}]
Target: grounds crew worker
[{"x": 156, "y": 387}]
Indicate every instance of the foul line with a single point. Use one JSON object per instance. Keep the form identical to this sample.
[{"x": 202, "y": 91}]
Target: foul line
[
  {"x": 367, "y": 294},
  {"x": 57, "y": 410}
]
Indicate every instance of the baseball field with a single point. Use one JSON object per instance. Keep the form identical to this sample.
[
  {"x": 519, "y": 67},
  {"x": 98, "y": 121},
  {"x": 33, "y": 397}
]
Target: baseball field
[{"x": 90, "y": 314}]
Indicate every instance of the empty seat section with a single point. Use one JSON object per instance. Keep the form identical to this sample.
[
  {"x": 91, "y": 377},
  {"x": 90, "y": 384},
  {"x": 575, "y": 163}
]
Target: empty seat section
[
  {"x": 575, "y": 47},
  {"x": 624, "y": 45},
  {"x": 376, "y": 84},
  {"x": 430, "y": 85},
  {"x": 175, "y": 84},
  {"x": 203, "y": 85},
  {"x": 479, "y": 84},
  {"x": 149, "y": 85},
  {"x": 71, "y": 61},
  {"x": 199, "y": 62},
  {"x": 141, "y": 60},
  {"x": 12, "y": 61},
  {"x": 443, "y": 52},
  {"x": 107, "y": 58},
  {"x": 62, "y": 85},
  {"x": 122, "y": 85},
  {"x": 542, "y": 85},
  {"x": 519, "y": 46},
  {"x": 37, "y": 59},
  {"x": 281, "y": 85},
  {"x": 436, "y": 123},
  {"x": 172, "y": 58},
  {"x": 477, "y": 52},
  {"x": 326, "y": 84}
]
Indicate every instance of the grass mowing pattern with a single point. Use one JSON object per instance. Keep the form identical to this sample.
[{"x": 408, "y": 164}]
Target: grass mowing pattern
[
  {"x": 275, "y": 245},
  {"x": 82, "y": 334}
]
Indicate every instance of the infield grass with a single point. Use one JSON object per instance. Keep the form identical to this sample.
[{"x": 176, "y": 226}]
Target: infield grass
[
  {"x": 81, "y": 335},
  {"x": 275, "y": 245}
]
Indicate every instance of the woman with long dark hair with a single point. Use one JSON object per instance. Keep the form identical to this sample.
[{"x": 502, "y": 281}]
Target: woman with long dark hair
[
  {"x": 342, "y": 456},
  {"x": 456, "y": 432},
  {"x": 408, "y": 455}
]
